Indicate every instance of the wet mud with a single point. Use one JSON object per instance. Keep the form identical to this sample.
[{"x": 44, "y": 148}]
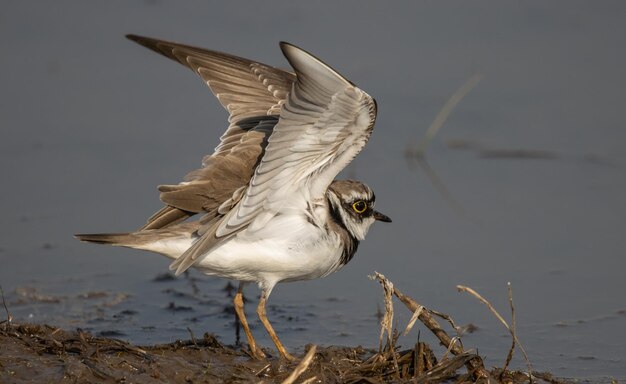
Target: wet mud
[{"x": 43, "y": 353}]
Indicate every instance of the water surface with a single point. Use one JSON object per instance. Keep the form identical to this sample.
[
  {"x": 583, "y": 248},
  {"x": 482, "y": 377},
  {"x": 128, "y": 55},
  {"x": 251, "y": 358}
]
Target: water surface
[{"x": 532, "y": 160}]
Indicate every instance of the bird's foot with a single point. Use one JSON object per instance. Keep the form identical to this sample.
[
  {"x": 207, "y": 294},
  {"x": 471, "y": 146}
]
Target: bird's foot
[
  {"x": 285, "y": 355},
  {"x": 257, "y": 352}
]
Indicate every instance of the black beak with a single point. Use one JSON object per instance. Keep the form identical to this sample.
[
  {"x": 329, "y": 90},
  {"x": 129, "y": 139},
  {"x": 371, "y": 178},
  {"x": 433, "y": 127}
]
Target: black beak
[{"x": 380, "y": 217}]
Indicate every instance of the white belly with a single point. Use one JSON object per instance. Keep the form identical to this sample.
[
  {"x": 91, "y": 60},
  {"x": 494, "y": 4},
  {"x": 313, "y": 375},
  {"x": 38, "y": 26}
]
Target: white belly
[
  {"x": 289, "y": 248},
  {"x": 271, "y": 260}
]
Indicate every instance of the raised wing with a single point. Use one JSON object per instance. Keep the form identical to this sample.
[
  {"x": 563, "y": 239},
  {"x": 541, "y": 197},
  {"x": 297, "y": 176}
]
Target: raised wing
[
  {"x": 205, "y": 189},
  {"x": 244, "y": 87},
  {"x": 248, "y": 90},
  {"x": 323, "y": 125}
]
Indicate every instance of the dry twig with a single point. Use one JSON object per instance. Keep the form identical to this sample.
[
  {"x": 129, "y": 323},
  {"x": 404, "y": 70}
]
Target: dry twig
[
  {"x": 416, "y": 151},
  {"x": 9, "y": 317},
  {"x": 304, "y": 364},
  {"x": 511, "y": 330},
  {"x": 442, "y": 116},
  {"x": 386, "y": 324},
  {"x": 474, "y": 365},
  {"x": 439, "y": 185},
  {"x": 462, "y": 288},
  {"x": 414, "y": 318},
  {"x": 509, "y": 355}
]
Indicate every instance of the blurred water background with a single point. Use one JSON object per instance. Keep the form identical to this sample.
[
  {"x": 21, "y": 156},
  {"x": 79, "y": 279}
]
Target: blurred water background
[{"x": 525, "y": 182}]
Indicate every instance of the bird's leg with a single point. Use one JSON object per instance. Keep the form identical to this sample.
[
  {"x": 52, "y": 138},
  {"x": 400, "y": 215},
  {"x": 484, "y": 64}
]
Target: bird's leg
[
  {"x": 256, "y": 352},
  {"x": 260, "y": 310}
]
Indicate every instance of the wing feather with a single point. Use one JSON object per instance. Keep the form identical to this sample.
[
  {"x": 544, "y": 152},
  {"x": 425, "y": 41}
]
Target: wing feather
[
  {"x": 324, "y": 123},
  {"x": 247, "y": 90}
]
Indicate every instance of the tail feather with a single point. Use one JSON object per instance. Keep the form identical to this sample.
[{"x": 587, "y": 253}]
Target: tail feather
[
  {"x": 120, "y": 239},
  {"x": 166, "y": 217},
  {"x": 171, "y": 241}
]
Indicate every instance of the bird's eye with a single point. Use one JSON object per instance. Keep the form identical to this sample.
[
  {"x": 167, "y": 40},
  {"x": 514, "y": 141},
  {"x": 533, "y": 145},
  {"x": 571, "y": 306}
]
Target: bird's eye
[{"x": 359, "y": 206}]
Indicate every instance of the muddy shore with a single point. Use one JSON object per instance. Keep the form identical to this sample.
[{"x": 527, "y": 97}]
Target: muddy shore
[{"x": 43, "y": 353}]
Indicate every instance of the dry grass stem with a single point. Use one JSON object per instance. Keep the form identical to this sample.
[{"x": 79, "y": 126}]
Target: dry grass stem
[
  {"x": 453, "y": 342},
  {"x": 260, "y": 371},
  {"x": 511, "y": 330},
  {"x": 416, "y": 152},
  {"x": 509, "y": 355},
  {"x": 472, "y": 292},
  {"x": 474, "y": 365},
  {"x": 414, "y": 318},
  {"x": 304, "y": 364},
  {"x": 419, "y": 362},
  {"x": 386, "y": 324},
  {"x": 443, "y": 115},
  {"x": 447, "y": 318},
  {"x": 514, "y": 333},
  {"x": 4, "y": 303},
  {"x": 440, "y": 186}
]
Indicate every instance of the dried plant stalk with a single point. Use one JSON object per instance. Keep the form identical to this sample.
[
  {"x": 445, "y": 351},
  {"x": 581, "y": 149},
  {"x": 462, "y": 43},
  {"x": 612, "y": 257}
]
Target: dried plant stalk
[
  {"x": 4, "y": 303},
  {"x": 474, "y": 364},
  {"x": 414, "y": 318},
  {"x": 443, "y": 114},
  {"x": 509, "y": 356},
  {"x": 386, "y": 324},
  {"x": 511, "y": 330},
  {"x": 462, "y": 288},
  {"x": 304, "y": 364}
]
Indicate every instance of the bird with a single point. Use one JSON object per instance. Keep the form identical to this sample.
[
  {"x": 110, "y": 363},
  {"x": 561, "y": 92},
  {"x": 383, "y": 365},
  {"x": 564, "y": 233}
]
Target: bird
[{"x": 269, "y": 208}]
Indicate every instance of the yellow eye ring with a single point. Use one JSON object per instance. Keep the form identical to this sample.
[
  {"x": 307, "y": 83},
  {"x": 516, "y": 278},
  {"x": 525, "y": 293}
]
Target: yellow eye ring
[{"x": 359, "y": 206}]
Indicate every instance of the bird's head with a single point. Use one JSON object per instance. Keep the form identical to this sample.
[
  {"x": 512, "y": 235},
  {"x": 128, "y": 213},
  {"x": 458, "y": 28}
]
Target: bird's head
[{"x": 352, "y": 204}]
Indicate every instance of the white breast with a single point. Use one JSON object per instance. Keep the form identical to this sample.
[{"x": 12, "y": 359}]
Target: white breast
[{"x": 289, "y": 248}]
